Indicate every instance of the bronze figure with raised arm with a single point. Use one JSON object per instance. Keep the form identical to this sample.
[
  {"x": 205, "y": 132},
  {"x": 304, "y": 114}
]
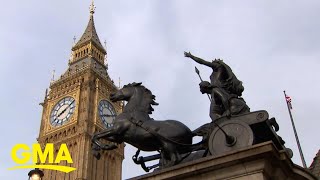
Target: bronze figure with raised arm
[{"x": 224, "y": 88}]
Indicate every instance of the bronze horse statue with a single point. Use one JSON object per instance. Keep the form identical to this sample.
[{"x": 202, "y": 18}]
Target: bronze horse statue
[{"x": 134, "y": 126}]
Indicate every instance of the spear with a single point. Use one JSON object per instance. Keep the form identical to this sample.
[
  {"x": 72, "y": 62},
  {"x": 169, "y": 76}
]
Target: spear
[
  {"x": 198, "y": 72},
  {"x": 230, "y": 140}
]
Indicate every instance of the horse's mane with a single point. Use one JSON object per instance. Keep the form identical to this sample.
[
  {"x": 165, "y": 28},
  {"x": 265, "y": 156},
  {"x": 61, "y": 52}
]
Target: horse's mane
[{"x": 148, "y": 97}]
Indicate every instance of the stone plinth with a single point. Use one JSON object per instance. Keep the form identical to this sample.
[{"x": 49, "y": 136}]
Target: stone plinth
[{"x": 259, "y": 162}]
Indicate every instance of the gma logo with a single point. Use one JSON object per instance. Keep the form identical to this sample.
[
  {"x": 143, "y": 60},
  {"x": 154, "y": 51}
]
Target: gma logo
[{"x": 45, "y": 158}]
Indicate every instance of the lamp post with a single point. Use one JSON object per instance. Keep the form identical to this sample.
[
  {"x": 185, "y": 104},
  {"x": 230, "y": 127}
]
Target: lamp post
[{"x": 35, "y": 174}]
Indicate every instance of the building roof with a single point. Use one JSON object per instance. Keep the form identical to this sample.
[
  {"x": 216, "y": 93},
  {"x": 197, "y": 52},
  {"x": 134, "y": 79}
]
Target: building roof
[
  {"x": 315, "y": 165},
  {"x": 90, "y": 34}
]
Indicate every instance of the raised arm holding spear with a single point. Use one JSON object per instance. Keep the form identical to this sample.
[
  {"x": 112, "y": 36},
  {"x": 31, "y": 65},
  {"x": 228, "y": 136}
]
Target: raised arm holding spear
[{"x": 224, "y": 87}]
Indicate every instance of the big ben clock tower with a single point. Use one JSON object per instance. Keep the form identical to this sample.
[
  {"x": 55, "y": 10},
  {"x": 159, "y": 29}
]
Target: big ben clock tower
[{"x": 76, "y": 106}]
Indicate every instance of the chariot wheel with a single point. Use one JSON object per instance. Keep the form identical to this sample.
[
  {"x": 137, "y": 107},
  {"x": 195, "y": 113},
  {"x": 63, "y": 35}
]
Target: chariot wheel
[{"x": 239, "y": 133}]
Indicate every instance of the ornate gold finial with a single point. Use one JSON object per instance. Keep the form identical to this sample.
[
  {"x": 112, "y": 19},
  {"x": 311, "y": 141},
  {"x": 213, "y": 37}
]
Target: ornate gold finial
[
  {"x": 53, "y": 73},
  {"x": 105, "y": 47},
  {"x": 105, "y": 44},
  {"x": 92, "y": 7}
]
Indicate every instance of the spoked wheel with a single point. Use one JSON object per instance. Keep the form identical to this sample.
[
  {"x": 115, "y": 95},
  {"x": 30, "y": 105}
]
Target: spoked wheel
[{"x": 239, "y": 135}]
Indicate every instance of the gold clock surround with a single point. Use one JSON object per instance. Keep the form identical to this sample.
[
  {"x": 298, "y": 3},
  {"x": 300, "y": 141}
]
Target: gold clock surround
[{"x": 51, "y": 104}]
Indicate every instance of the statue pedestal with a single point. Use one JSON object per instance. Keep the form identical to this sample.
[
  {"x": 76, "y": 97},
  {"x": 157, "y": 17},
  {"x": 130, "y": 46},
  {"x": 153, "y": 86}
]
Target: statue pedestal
[{"x": 259, "y": 162}]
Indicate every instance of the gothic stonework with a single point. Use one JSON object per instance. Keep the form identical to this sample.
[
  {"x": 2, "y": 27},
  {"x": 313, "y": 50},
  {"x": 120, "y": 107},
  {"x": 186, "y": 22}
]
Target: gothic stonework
[{"x": 70, "y": 111}]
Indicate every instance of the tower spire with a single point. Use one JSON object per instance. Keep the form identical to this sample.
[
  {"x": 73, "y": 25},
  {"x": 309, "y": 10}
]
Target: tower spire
[
  {"x": 89, "y": 44},
  {"x": 90, "y": 34},
  {"x": 92, "y": 7}
]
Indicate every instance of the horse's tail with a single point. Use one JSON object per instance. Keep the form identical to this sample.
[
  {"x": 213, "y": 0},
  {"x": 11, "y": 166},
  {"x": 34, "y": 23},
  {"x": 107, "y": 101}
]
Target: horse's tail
[
  {"x": 203, "y": 130},
  {"x": 188, "y": 148}
]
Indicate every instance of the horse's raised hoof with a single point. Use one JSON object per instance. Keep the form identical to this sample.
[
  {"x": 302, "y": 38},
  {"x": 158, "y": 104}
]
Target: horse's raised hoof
[
  {"x": 95, "y": 147},
  {"x": 109, "y": 147},
  {"x": 96, "y": 154}
]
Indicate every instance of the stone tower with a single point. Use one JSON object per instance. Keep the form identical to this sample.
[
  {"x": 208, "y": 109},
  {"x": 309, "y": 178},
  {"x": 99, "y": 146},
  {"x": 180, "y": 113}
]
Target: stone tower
[{"x": 76, "y": 106}]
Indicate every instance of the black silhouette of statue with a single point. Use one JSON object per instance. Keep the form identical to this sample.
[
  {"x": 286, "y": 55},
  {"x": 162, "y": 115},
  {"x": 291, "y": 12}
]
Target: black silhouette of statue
[
  {"x": 224, "y": 87},
  {"x": 232, "y": 127}
]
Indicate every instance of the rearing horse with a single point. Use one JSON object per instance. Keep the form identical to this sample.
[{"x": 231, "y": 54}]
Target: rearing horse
[{"x": 134, "y": 126}]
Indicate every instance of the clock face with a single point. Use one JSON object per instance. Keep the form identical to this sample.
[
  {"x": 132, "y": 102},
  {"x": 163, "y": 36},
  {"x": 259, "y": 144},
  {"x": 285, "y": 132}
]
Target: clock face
[
  {"x": 62, "y": 111},
  {"x": 107, "y": 113}
]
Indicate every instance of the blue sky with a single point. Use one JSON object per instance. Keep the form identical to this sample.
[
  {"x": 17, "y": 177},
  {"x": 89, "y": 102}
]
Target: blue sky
[{"x": 271, "y": 45}]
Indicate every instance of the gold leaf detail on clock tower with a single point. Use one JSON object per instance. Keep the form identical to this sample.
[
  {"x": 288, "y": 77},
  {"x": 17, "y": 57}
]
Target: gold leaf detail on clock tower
[{"x": 86, "y": 81}]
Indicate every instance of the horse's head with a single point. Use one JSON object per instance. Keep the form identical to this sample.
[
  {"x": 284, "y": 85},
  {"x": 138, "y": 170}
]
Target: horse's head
[
  {"x": 137, "y": 95},
  {"x": 125, "y": 93}
]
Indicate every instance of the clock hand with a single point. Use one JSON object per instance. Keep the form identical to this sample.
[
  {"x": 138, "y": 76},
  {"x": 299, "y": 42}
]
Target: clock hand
[
  {"x": 65, "y": 109},
  {"x": 109, "y": 115},
  {"x": 62, "y": 112}
]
